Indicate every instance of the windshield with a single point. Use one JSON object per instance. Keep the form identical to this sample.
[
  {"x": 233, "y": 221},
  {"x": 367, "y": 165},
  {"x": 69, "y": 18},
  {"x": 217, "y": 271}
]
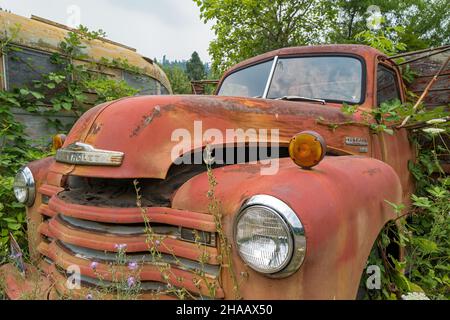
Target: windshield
[
  {"x": 249, "y": 82},
  {"x": 330, "y": 78},
  {"x": 327, "y": 78}
]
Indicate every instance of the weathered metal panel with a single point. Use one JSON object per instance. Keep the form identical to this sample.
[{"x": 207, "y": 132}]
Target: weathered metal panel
[{"x": 142, "y": 128}]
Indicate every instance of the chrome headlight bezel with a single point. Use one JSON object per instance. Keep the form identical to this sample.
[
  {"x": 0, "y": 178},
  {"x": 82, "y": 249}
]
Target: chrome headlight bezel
[
  {"x": 28, "y": 184},
  {"x": 297, "y": 249}
]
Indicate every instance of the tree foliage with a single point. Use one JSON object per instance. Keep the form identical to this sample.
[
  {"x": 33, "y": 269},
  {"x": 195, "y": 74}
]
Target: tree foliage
[
  {"x": 178, "y": 79},
  {"x": 181, "y": 73},
  {"x": 425, "y": 23},
  {"x": 195, "y": 68},
  {"x": 245, "y": 28}
]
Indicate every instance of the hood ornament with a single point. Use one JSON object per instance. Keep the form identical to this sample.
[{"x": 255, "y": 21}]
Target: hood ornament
[{"x": 85, "y": 154}]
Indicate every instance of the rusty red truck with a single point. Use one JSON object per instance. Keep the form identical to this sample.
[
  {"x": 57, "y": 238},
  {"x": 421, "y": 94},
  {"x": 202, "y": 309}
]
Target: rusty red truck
[{"x": 300, "y": 188}]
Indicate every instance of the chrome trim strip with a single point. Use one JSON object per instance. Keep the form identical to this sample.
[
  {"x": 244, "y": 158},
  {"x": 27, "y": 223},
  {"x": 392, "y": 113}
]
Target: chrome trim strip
[
  {"x": 269, "y": 80},
  {"x": 85, "y": 154},
  {"x": 295, "y": 226}
]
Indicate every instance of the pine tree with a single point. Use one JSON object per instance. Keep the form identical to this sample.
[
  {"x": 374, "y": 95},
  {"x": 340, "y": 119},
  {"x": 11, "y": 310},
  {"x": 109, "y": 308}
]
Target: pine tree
[{"x": 195, "y": 68}]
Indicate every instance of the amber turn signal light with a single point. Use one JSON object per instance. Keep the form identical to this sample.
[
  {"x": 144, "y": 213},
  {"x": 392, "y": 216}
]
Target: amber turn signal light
[
  {"x": 307, "y": 149},
  {"x": 58, "y": 141}
]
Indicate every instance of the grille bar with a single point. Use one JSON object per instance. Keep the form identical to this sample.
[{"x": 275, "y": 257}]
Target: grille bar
[
  {"x": 187, "y": 219},
  {"x": 124, "y": 230}
]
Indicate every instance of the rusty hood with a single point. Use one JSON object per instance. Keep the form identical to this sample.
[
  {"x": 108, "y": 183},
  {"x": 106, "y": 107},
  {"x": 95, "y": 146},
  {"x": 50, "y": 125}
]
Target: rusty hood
[{"x": 143, "y": 128}]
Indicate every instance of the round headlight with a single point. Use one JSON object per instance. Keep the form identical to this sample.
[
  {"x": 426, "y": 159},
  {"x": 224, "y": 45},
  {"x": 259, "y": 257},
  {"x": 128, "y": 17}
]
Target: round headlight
[
  {"x": 24, "y": 187},
  {"x": 263, "y": 239},
  {"x": 269, "y": 236}
]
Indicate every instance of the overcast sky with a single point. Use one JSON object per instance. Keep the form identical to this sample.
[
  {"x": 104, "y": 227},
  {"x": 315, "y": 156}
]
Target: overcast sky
[{"x": 153, "y": 27}]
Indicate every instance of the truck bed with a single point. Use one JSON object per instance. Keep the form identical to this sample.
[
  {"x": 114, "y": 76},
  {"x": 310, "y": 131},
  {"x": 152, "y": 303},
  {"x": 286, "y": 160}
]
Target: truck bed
[{"x": 425, "y": 64}]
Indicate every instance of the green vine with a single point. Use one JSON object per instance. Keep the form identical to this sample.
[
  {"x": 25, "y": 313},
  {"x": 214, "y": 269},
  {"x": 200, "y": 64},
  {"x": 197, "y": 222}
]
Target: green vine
[
  {"x": 67, "y": 90},
  {"x": 214, "y": 208}
]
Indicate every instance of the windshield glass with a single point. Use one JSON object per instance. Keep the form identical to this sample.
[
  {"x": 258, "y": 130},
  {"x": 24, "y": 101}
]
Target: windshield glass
[
  {"x": 249, "y": 82},
  {"x": 328, "y": 78}
]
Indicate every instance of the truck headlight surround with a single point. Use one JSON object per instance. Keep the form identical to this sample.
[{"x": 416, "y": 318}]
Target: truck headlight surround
[
  {"x": 278, "y": 238},
  {"x": 25, "y": 187}
]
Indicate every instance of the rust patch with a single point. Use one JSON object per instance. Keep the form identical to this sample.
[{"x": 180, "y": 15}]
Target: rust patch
[
  {"x": 146, "y": 120},
  {"x": 95, "y": 129}
]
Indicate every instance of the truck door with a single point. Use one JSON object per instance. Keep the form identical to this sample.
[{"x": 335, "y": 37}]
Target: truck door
[{"x": 396, "y": 149}]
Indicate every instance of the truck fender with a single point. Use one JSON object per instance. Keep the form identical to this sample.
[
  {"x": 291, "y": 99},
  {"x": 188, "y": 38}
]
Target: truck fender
[{"x": 341, "y": 204}]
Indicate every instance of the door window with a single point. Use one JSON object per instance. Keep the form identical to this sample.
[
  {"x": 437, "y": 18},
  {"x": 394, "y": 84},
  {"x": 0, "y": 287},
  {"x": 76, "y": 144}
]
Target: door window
[{"x": 387, "y": 85}]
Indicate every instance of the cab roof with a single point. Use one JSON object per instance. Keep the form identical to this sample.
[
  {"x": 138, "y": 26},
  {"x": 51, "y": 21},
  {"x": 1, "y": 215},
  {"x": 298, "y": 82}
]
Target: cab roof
[{"x": 355, "y": 49}]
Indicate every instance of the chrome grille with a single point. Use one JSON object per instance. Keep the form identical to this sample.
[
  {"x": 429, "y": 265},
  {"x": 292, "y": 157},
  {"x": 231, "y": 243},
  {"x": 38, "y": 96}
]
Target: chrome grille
[{"x": 76, "y": 233}]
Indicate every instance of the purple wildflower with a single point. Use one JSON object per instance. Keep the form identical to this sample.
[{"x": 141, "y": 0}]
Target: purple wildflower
[
  {"x": 16, "y": 256},
  {"x": 121, "y": 246},
  {"x": 157, "y": 242},
  {"x": 89, "y": 297},
  {"x": 131, "y": 281},
  {"x": 132, "y": 265},
  {"x": 94, "y": 265}
]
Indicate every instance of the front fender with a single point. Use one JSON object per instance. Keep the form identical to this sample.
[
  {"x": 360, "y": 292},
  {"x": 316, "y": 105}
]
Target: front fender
[
  {"x": 39, "y": 169},
  {"x": 341, "y": 204}
]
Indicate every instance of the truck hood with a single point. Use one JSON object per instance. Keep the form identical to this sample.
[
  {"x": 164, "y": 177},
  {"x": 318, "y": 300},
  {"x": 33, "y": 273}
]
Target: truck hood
[{"x": 145, "y": 129}]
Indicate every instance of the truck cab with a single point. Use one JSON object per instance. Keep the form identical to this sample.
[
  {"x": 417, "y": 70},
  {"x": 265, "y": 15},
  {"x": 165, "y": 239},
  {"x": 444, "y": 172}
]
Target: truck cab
[{"x": 266, "y": 190}]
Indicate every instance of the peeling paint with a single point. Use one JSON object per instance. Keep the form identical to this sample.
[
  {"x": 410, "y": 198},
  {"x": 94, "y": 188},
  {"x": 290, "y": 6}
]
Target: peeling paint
[{"x": 146, "y": 120}]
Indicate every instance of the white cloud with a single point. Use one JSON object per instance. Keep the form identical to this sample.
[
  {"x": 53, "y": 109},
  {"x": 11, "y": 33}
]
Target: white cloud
[{"x": 154, "y": 28}]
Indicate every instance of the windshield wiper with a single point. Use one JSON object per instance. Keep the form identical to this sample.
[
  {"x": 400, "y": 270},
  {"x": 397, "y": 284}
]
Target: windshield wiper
[{"x": 298, "y": 98}]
